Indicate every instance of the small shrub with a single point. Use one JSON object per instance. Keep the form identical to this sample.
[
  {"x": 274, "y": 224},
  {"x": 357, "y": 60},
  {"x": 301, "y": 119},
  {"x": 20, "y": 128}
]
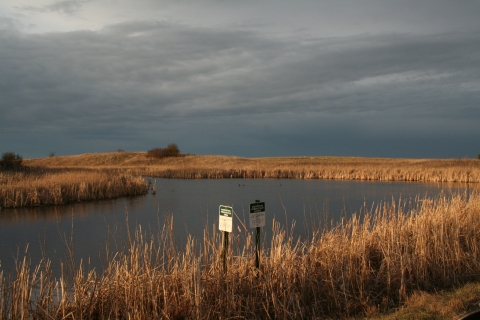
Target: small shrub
[
  {"x": 170, "y": 151},
  {"x": 155, "y": 153},
  {"x": 11, "y": 161}
]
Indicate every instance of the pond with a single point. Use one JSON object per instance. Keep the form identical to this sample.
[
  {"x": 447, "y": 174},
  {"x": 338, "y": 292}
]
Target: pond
[{"x": 194, "y": 205}]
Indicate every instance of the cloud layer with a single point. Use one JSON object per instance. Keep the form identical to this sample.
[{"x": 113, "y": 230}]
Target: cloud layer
[{"x": 239, "y": 90}]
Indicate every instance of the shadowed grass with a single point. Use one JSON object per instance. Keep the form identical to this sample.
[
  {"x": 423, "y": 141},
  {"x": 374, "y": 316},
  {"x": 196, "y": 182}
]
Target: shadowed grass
[{"x": 442, "y": 305}]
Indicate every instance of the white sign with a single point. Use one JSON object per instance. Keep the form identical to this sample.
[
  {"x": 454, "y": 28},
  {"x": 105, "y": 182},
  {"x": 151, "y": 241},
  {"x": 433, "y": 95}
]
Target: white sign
[
  {"x": 225, "y": 220},
  {"x": 257, "y": 214},
  {"x": 257, "y": 219}
]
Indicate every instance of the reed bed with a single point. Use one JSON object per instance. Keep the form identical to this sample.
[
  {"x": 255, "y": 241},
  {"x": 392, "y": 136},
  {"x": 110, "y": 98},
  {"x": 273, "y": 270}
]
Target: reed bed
[
  {"x": 195, "y": 167},
  {"x": 220, "y": 167},
  {"x": 55, "y": 187},
  {"x": 362, "y": 266}
]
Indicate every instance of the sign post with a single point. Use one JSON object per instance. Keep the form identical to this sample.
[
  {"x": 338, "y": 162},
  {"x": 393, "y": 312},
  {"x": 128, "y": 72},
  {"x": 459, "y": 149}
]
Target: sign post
[
  {"x": 257, "y": 220},
  {"x": 225, "y": 224}
]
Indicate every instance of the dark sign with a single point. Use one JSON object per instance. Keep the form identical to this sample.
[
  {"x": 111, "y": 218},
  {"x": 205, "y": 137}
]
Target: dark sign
[{"x": 257, "y": 207}]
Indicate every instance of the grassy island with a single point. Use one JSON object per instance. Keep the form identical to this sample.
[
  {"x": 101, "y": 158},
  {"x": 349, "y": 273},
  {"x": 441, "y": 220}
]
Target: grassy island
[{"x": 46, "y": 186}]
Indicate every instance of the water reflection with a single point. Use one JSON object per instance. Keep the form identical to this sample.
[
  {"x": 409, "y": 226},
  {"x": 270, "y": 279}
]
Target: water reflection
[{"x": 194, "y": 205}]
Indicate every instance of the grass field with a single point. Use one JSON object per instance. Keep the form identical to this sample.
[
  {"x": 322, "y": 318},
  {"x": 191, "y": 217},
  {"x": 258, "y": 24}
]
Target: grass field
[{"x": 215, "y": 167}]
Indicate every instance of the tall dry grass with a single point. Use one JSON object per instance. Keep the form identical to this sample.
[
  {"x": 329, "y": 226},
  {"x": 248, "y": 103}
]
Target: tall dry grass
[
  {"x": 55, "y": 187},
  {"x": 196, "y": 167},
  {"x": 365, "y": 265},
  {"x": 217, "y": 167}
]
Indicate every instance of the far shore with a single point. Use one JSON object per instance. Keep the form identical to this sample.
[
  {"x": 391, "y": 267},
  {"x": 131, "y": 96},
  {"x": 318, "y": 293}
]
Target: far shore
[
  {"x": 65, "y": 179},
  {"x": 301, "y": 167}
]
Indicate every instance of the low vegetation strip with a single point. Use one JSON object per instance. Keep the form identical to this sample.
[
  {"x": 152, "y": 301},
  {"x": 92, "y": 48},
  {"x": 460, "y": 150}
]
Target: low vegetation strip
[
  {"x": 56, "y": 187},
  {"x": 319, "y": 168},
  {"x": 221, "y": 167},
  {"x": 364, "y": 266}
]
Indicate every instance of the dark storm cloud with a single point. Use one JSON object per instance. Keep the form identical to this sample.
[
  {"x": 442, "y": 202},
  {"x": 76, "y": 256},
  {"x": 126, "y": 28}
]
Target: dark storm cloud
[{"x": 139, "y": 80}]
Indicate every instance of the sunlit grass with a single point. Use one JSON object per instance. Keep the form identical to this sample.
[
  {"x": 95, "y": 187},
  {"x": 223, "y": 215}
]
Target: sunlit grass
[
  {"x": 40, "y": 187},
  {"x": 216, "y": 167},
  {"x": 372, "y": 264}
]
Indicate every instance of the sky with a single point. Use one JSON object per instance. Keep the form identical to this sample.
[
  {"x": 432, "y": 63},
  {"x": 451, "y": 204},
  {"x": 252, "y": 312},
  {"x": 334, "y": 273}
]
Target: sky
[{"x": 363, "y": 78}]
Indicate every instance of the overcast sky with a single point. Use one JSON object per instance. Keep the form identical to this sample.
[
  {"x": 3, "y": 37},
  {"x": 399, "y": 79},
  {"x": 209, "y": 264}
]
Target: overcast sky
[{"x": 369, "y": 78}]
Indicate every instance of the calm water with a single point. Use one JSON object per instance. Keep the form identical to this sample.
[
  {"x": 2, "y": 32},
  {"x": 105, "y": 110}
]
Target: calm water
[{"x": 194, "y": 205}]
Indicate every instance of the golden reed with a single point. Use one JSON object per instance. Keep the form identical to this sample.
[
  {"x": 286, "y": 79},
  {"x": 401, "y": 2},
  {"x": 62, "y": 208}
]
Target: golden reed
[
  {"x": 56, "y": 187},
  {"x": 196, "y": 167},
  {"x": 362, "y": 266},
  {"x": 219, "y": 167}
]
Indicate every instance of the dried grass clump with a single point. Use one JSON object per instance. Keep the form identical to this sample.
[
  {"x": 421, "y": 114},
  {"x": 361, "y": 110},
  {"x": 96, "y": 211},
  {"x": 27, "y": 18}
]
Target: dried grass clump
[
  {"x": 366, "y": 265},
  {"x": 56, "y": 187}
]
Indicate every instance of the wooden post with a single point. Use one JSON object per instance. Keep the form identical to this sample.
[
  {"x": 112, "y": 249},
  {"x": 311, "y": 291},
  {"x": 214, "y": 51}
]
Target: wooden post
[
  {"x": 225, "y": 224},
  {"x": 257, "y": 248},
  {"x": 225, "y": 250},
  {"x": 257, "y": 220}
]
